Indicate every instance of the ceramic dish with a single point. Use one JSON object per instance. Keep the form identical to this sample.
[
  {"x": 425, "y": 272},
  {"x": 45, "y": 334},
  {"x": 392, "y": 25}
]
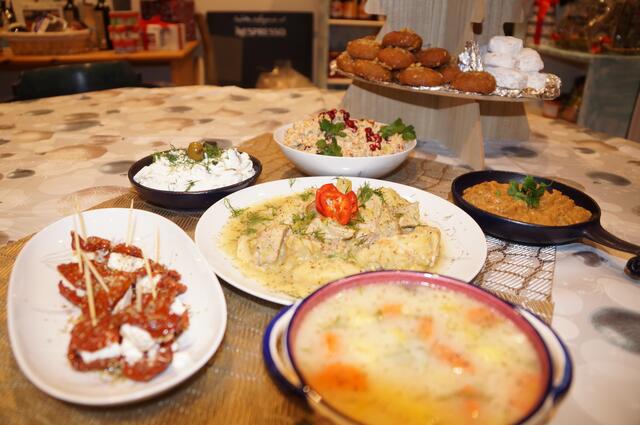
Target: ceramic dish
[
  {"x": 535, "y": 234},
  {"x": 281, "y": 335},
  {"x": 463, "y": 245},
  {"x": 39, "y": 317},
  {"x": 197, "y": 200},
  {"x": 323, "y": 165}
]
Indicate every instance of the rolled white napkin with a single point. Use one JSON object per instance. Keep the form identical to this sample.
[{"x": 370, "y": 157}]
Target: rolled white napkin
[
  {"x": 528, "y": 60},
  {"x": 505, "y": 44},
  {"x": 508, "y": 78},
  {"x": 502, "y": 60}
]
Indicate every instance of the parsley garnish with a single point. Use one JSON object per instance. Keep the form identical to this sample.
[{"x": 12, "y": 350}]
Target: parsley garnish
[
  {"x": 366, "y": 192},
  {"x": 331, "y": 131},
  {"x": 398, "y": 127},
  {"x": 529, "y": 191},
  {"x": 235, "y": 212},
  {"x": 329, "y": 149},
  {"x": 190, "y": 185}
]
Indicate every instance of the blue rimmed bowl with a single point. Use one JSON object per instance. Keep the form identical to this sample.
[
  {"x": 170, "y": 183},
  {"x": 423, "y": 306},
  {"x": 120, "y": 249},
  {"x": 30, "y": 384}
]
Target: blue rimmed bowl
[{"x": 280, "y": 340}]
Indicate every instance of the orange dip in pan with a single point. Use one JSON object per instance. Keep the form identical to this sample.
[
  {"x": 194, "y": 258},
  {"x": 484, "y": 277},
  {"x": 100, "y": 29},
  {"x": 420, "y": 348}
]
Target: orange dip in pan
[{"x": 555, "y": 209}]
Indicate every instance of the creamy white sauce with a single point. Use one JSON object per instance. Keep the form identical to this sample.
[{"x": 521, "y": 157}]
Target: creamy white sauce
[
  {"x": 108, "y": 352},
  {"x": 146, "y": 285},
  {"x": 185, "y": 175},
  {"x": 124, "y": 263},
  {"x": 124, "y": 302},
  {"x": 135, "y": 341},
  {"x": 177, "y": 307}
]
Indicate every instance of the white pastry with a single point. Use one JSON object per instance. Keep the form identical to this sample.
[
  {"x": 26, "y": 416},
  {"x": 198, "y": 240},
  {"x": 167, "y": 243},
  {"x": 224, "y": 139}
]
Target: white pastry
[
  {"x": 499, "y": 60},
  {"x": 505, "y": 44},
  {"x": 536, "y": 80},
  {"x": 528, "y": 60},
  {"x": 508, "y": 78}
]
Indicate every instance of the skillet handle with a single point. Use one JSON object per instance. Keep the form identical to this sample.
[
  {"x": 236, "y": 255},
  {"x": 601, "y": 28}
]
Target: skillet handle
[{"x": 598, "y": 234}]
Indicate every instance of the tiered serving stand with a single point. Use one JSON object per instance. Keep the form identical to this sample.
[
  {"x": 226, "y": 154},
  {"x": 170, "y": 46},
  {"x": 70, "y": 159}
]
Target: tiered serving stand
[{"x": 460, "y": 122}]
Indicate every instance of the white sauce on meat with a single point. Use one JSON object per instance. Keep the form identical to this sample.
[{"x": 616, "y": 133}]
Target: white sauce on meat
[
  {"x": 146, "y": 285},
  {"x": 177, "y": 307},
  {"x": 79, "y": 292},
  {"x": 108, "y": 352},
  {"x": 125, "y": 301},
  {"x": 185, "y": 175},
  {"x": 124, "y": 263},
  {"x": 135, "y": 341}
]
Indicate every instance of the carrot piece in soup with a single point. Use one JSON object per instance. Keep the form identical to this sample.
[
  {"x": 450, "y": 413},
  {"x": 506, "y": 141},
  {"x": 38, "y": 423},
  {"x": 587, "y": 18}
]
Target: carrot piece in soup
[
  {"x": 390, "y": 309},
  {"x": 451, "y": 357},
  {"x": 425, "y": 327},
  {"x": 482, "y": 316},
  {"x": 341, "y": 376},
  {"x": 332, "y": 342}
]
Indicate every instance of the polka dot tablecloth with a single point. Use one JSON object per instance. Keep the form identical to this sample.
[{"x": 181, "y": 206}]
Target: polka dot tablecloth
[{"x": 55, "y": 150}]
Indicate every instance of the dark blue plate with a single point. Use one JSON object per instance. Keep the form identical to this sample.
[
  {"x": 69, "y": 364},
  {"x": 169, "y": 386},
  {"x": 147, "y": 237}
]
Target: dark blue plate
[
  {"x": 198, "y": 200},
  {"x": 536, "y": 234}
]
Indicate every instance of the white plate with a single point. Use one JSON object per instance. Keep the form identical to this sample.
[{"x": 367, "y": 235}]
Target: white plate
[
  {"x": 463, "y": 250},
  {"x": 324, "y": 165},
  {"x": 39, "y": 317}
]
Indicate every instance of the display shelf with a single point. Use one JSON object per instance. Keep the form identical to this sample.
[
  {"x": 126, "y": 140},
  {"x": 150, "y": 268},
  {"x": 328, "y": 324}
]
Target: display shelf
[{"x": 355, "y": 23}]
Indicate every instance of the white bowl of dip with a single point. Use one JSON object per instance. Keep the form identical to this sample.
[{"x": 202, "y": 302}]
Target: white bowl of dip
[{"x": 314, "y": 164}]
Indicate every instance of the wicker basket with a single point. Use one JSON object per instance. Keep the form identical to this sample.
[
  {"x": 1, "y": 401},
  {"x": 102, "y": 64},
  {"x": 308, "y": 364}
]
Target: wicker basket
[{"x": 60, "y": 43}]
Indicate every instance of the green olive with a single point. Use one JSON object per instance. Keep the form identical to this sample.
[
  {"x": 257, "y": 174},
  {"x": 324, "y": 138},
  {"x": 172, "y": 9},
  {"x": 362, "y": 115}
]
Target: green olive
[{"x": 195, "y": 151}]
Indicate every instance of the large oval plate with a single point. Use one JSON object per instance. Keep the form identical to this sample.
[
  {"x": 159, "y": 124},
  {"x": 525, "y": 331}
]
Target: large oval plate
[
  {"x": 39, "y": 318},
  {"x": 463, "y": 249}
]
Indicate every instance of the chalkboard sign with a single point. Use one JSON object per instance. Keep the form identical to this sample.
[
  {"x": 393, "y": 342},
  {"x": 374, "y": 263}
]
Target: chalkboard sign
[{"x": 248, "y": 43}]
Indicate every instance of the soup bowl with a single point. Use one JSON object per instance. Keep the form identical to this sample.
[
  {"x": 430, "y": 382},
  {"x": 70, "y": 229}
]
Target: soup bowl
[{"x": 406, "y": 347}]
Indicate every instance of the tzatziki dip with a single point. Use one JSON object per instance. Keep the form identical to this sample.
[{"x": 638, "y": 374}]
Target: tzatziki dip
[{"x": 203, "y": 166}]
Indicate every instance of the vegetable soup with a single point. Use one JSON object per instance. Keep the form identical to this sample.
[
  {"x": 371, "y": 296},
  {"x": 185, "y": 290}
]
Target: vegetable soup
[{"x": 396, "y": 353}]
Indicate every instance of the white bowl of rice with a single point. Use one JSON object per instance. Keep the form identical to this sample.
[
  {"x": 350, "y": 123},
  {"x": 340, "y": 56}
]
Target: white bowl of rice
[{"x": 358, "y": 149}]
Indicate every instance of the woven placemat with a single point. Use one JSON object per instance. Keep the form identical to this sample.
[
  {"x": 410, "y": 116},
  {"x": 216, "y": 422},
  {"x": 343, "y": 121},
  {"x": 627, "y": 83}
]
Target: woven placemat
[{"x": 234, "y": 387}]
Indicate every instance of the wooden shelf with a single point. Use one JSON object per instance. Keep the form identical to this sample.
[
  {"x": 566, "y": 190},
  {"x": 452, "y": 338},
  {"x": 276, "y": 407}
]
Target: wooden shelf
[
  {"x": 183, "y": 71},
  {"x": 356, "y": 22}
]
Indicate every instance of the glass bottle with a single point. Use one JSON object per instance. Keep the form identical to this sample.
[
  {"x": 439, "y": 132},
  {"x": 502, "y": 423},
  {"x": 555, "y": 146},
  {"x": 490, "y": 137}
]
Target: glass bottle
[
  {"x": 350, "y": 9},
  {"x": 335, "y": 9},
  {"x": 70, "y": 12},
  {"x": 101, "y": 12}
]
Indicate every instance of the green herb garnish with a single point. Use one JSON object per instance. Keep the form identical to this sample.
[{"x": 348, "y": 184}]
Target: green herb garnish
[
  {"x": 235, "y": 212},
  {"x": 398, "y": 127},
  {"x": 190, "y": 185},
  {"x": 529, "y": 191},
  {"x": 306, "y": 195},
  {"x": 332, "y": 130},
  {"x": 366, "y": 192},
  {"x": 329, "y": 149},
  {"x": 212, "y": 150},
  {"x": 300, "y": 222},
  {"x": 329, "y": 145}
]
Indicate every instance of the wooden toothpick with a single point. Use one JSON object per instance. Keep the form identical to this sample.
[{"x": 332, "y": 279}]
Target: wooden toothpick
[
  {"x": 130, "y": 225},
  {"x": 90, "y": 300}
]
